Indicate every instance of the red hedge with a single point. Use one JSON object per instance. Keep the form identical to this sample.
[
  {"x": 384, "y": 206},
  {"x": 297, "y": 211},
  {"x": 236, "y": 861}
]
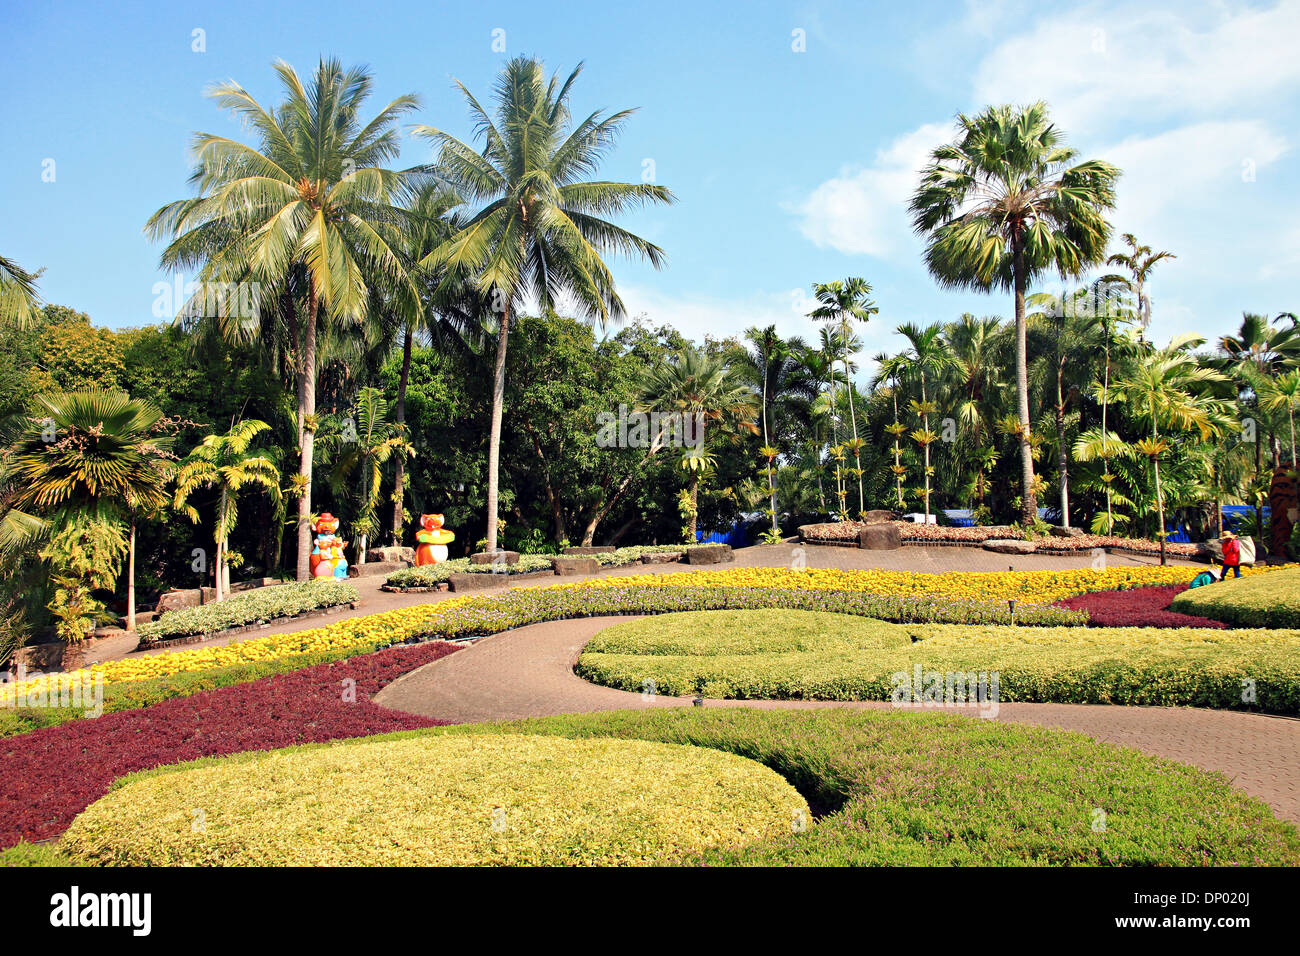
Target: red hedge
[
  {"x": 50, "y": 775},
  {"x": 1139, "y": 607}
]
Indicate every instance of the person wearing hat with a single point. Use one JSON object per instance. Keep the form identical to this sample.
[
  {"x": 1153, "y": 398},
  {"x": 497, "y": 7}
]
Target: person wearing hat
[{"x": 1231, "y": 554}]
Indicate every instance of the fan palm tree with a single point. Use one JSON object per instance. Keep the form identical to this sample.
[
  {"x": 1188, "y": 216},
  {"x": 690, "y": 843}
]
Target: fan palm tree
[
  {"x": 705, "y": 388},
  {"x": 927, "y": 358},
  {"x": 1004, "y": 204},
  {"x": 540, "y": 229},
  {"x": 226, "y": 463},
  {"x": 98, "y": 455},
  {"x": 1138, "y": 261},
  {"x": 18, "y": 297},
  {"x": 300, "y": 216},
  {"x": 841, "y": 304},
  {"x": 1167, "y": 387}
]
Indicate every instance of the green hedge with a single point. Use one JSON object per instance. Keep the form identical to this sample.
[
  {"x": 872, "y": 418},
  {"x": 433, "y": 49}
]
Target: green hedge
[
  {"x": 250, "y": 607},
  {"x": 1262, "y": 600},
  {"x": 794, "y": 655},
  {"x": 427, "y": 575}
]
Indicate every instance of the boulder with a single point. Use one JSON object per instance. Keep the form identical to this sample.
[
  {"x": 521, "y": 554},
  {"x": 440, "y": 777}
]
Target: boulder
[
  {"x": 1058, "y": 532},
  {"x": 661, "y": 557},
  {"x": 176, "y": 599},
  {"x": 1010, "y": 546},
  {"x": 882, "y": 536},
  {"x": 483, "y": 557},
  {"x": 575, "y": 564},
  {"x": 590, "y": 549},
  {"x": 391, "y": 553},
  {"x": 877, "y": 516},
  {"x": 710, "y": 554}
]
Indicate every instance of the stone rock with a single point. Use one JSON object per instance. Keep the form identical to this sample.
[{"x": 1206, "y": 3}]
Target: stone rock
[
  {"x": 882, "y": 536},
  {"x": 482, "y": 557},
  {"x": 177, "y": 599},
  {"x": 877, "y": 516},
  {"x": 575, "y": 565},
  {"x": 467, "y": 581},
  {"x": 1058, "y": 532},
  {"x": 1010, "y": 546},
  {"x": 661, "y": 557},
  {"x": 391, "y": 553},
  {"x": 590, "y": 549},
  {"x": 710, "y": 554}
]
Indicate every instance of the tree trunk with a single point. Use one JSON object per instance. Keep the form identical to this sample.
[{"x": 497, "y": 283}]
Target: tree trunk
[
  {"x": 925, "y": 425},
  {"x": 1105, "y": 449},
  {"x": 771, "y": 487},
  {"x": 307, "y": 411},
  {"x": 853, "y": 419},
  {"x": 399, "y": 416},
  {"x": 130, "y": 583},
  {"x": 693, "y": 532},
  {"x": 494, "y": 436},
  {"x": 1160, "y": 498},
  {"x": 1028, "y": 503},
  {"x": 1062, "y": 460},
  {"x": 221, "y": 545}
]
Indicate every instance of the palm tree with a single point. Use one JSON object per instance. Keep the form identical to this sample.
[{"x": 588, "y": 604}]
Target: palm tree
[
  {"x": 1167, "y": 387},
  {"x": 225, "y": 462},
  {"x": 1280, "y": 392},
  {"x": 1002, "y": 205},
  {"x": 375, "y": 442},
  {"x": 1258, "y": 352},
  {"x": 890, "y": 368},
  {"x": 842, "y": 303},
  {"x": 97, "y": 455},
  {"x": 768, "y": 350},
  {"x": 927, "y": 357},
  {"x": 301, "y": 217},
  {"x": 706, "y": 389},
  {"x": 540, "y": 230},
  {"x": 1139, "y": 261},
  {"x": 18, "y": 297},
  {"x": 975, "y": 385}
]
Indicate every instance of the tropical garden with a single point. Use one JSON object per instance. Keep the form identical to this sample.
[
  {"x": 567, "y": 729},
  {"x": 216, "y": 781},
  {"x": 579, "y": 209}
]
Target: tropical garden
[{"x": 378, "y": 343}]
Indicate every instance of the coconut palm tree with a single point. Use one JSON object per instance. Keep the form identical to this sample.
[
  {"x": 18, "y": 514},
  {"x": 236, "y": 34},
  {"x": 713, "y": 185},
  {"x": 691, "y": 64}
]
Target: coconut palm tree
[
  {"x": 711, "y": 393},
  {"x": 1000, "y": 206},
  {"x": 92, "y": 455},
  {"x": 928, "y": 358},
  {"x": 1168, "y": 387},
  {"x": 1138, "y": 261},
  {"x": 540, "y": 230},
  {"x": 18, "y": 296},
  {"x": 226, "y": 463},
  {"x": 300, "y": 217},
  {"x": 841, "y": 304}
]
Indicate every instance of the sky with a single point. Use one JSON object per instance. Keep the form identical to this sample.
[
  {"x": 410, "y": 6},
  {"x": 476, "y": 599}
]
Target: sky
[{"x": 791, "y": 134}]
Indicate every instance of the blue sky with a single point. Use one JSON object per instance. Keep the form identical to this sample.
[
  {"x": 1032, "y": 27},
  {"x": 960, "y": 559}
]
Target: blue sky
[{"x": 790, "y": 167}]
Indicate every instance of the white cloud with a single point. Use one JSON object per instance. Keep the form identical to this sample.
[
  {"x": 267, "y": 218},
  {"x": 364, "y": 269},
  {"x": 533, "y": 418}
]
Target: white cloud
[{"x": 863, "y": 210}]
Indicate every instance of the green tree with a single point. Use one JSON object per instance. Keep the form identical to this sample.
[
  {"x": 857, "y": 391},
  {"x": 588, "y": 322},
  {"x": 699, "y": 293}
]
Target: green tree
[
  {"x": 1139, "y": 261},
  {"x": 540, "y": 229},
  {"x": 1000, "y": 206},
  {"x": 301, "y": 217},
  {"x": 927, "y": 358},
  {"x": 18, "y": 296},
  {"x": 363, "y": 451}
]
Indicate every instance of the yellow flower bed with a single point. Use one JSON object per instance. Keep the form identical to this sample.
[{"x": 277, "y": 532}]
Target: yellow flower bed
[
  {"x": 1030, "y": 587},
  {"x": 443, "y": 800}
]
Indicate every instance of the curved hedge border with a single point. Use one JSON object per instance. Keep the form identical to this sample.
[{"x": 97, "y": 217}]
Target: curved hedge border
[
  {"x": 844, "y": 532},
  {"x": 1272, "y": 601}
]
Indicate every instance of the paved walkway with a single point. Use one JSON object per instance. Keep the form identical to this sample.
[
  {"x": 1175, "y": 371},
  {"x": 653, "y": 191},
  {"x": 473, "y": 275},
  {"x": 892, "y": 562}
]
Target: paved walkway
[{"x": 529, "y": 673}]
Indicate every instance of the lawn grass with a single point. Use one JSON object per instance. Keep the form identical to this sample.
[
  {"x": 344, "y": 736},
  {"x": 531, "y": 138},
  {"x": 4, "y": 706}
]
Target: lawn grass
[
  {"x": 804, "y": 655},
  {"x": 894, "y": 788}
]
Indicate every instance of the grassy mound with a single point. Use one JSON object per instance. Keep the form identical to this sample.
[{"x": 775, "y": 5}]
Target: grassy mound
[
  {"x": 442, "y": 801},
  {"x": 1263, "y": 600},
  {"x": 892, "y": 789},
  {"x": 804, "y": 655}
]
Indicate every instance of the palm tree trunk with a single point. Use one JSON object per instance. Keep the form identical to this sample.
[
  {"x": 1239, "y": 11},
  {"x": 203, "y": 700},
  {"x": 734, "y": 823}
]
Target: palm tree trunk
[
  {"x": 1028, "y": 503},
  {"x": 221, "y": 546},
  {"x": 853, "y": 418},
  {"x": 130, "y": 583},
  {"x": 1105, "y": 449},
  {"x": 494, "y": 437},
  {"x": 1062, "y": 460},
  {"x": 1160, "y": 498},
  {"x": 307, "y": 410},
  {"x": 771, "y": 486},
  {"x": 925, "y": 425},
  {"x": 399, "y": 415}
]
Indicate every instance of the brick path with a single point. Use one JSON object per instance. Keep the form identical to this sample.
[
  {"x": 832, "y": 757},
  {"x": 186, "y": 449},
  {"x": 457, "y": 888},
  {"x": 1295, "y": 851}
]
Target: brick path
[{"x": 529, "y": 673}]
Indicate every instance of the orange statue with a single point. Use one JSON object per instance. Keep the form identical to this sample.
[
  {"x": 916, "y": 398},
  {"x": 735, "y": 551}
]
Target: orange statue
[
  {"x": 327, "y": 559},
  {"x": 432, "y": 540}
]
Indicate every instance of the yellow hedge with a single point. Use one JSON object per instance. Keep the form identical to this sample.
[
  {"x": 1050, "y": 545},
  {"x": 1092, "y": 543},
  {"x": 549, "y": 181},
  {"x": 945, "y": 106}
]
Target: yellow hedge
[{"x": 442, "y": 801}]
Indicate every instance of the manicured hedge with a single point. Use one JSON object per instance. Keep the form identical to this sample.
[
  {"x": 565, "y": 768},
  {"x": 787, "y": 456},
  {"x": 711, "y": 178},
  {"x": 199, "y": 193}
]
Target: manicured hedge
[
  {"x": 1271, "y": 600},
  {"x": 826, "y": 657},
  {"x": 51, "y": 774},
  {"x": 251, "y": 607},
  {"x": 912, "y": 532},
  {"x": 501, "y": 800},
  {"x": 924, "y": 790}
]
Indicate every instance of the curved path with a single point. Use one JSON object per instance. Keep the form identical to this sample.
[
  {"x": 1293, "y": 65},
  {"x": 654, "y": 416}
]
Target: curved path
[{"x": 529, "y": 673}]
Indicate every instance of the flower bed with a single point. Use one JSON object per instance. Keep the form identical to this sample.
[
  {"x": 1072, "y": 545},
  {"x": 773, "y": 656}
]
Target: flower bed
[
  {"x": 793, "y": 655},
  {"x": 912, "y": 533},
  {"x": 500, "y": 800},
  {"x": 1140, "y": 607},
  {"x": 252, "y": 607},
  {"x": 432, "y": 575},
  {"x": 51, "y": 775}
]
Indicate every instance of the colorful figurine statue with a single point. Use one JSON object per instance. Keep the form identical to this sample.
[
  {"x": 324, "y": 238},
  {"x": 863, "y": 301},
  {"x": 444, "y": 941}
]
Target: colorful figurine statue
[
  {"x": 432, "y": 540},
  {"x": 327, "y": 559}
]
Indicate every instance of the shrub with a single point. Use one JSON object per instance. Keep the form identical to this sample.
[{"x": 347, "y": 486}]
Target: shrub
[
  {"x": 910, "y": 531},
  {"x": 508, "y": 799},
  {"x": 801, "y": 656},
  {"x": 1254, "y": 601},
  {"x": 252, "y": 607},
  {"x": 428, "y": 575}
]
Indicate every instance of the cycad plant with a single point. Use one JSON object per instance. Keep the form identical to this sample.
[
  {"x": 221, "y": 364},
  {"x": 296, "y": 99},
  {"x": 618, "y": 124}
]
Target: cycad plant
[
  {"x": 227, "y": 463},
  {"x": 540, "y": 228}
]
